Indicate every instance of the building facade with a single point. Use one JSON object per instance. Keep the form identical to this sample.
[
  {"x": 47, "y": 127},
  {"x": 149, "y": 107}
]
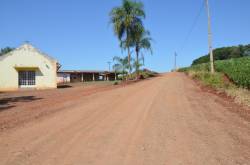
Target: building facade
[
  {"x": 27, "y": 67},
  {"x": 65, "y": 76}
]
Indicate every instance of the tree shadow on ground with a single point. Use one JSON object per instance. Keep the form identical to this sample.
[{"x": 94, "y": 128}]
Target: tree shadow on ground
[
  {"x": 7, "y": 103},
  {"x": 64, "y": 86}
]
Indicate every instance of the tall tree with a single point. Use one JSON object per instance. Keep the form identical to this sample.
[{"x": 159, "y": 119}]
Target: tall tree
[
  {"x": 142, "y": 41},
  {"x": 137, "y": 64},
  {"x": 121, "y": 65},
  {"x": 124, "y": 19}
]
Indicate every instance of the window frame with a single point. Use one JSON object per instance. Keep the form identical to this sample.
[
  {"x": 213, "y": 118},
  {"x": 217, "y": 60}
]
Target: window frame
[{"x": 27, "y": 78}]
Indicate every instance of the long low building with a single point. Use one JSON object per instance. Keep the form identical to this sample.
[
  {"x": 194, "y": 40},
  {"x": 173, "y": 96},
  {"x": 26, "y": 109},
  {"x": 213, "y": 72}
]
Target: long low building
[{"x": 65, "y": 76}]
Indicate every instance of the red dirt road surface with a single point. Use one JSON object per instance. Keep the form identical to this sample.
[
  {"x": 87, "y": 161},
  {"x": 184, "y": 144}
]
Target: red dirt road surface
[{"x": 167, "y": 120}]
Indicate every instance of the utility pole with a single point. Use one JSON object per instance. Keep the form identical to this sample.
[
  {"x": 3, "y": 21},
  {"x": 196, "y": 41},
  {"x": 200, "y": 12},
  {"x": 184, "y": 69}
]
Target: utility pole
[
  {"x": 175, "y": 66},
  {"x": 109, "y": 65},
  {"x": 210, "y": 39}
]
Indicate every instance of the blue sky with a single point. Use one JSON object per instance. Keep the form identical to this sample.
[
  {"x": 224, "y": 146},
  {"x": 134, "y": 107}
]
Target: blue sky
[{"x": 78, "y": 34}]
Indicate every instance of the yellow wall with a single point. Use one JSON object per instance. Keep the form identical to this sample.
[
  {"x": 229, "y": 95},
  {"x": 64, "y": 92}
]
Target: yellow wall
[{"x": 27, "y": 56}]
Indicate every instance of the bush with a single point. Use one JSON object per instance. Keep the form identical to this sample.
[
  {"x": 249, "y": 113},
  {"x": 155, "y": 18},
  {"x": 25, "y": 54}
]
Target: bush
[
  {"x": 144, "y": 74},
  {"x": 116, "y": 83},
  {"x": 185, "y": 69}
]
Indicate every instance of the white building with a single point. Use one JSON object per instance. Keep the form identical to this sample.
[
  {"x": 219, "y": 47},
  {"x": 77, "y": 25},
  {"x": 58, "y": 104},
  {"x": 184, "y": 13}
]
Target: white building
[
  {"x": 27, "y": 67},
  {"x": 63, "y": 77},
  {"x": 66, "y": 76}
]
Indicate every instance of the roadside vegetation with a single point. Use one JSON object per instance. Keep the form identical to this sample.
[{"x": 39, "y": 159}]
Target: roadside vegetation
[
  {"x": 121, "y": 66},
  {"x": 232, "y": 77},
  {"x": 225, "y": 53},
  {"x": 127, "y": 21},
  {"x": 5, "y": 50},
  {"x": 144, "y": 74}
]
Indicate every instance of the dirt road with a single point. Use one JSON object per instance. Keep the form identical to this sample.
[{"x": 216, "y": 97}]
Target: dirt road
[{"x": 164, "y": 121}]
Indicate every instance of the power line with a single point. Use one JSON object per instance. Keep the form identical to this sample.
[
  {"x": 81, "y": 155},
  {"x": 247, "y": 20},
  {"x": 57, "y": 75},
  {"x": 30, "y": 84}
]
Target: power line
[{"x": 193, "y": 25}]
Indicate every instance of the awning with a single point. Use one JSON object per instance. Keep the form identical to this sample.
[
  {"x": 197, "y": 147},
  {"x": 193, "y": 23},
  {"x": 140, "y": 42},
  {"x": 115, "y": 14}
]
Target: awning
[{"x": 21, "y": 67}]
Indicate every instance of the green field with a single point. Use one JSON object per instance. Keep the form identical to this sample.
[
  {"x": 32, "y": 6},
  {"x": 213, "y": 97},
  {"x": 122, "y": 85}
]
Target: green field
[{"x": 237, "y": 70}]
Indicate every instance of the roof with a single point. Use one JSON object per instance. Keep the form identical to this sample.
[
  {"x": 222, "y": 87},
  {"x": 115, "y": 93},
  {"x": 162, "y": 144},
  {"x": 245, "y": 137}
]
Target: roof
[
  {"x": 84, "y": 71},
  {"x": 29, "y": 47}
]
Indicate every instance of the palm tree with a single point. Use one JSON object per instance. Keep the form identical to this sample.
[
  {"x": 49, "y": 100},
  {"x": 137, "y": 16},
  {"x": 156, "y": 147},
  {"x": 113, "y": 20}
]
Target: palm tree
[
  {"x": 121, "y": 65},
  {"x": 142, "y": 41},
  {"x": 137, "y": 64},
  {"x": 124, "y": 20}
]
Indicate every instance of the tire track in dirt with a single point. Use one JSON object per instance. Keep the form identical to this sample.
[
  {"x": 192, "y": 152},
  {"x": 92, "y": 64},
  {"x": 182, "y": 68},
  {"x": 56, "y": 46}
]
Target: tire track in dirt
[{"x": 166, "y": 120}]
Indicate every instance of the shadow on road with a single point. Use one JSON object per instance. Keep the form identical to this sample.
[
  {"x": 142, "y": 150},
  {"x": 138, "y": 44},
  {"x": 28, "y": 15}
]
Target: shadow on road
[
  {"x": 7, "y": 103},
  {"x": 64, "y": 86}
]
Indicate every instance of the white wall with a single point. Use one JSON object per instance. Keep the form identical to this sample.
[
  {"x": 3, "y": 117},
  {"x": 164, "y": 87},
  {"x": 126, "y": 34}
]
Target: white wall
[
  {"x": 63, "y": 77},
  {"x": 27, "y": 56}
]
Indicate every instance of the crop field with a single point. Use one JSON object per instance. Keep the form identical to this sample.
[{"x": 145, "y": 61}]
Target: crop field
[{"x": 237, "y": 70}]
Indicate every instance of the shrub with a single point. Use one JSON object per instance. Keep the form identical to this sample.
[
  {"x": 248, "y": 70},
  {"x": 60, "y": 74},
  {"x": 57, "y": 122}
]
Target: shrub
[
  {"x": 144, "y": 74},
  {"x": 116, "y": 83}
]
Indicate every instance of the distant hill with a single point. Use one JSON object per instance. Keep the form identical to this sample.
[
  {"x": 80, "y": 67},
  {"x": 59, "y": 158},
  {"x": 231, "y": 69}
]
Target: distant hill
[{"x": 225, "y": 53}]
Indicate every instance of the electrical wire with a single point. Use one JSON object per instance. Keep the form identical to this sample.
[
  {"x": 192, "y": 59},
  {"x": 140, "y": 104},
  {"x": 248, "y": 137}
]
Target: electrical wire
[{"x": 193, "y": 26}]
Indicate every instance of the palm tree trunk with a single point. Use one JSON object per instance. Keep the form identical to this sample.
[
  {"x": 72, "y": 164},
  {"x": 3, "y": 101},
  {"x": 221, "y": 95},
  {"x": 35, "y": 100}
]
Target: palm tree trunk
[
  {"x": 123, "y": 72},
  {"x": 137, "y": 64},
  {"x": 129, "y": 58},
  {"x": 127, "y": 44}
]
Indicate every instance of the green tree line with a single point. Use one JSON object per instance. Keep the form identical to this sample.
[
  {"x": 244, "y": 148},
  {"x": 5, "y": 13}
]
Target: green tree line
[
  {"x": 225, "y": 53},
  {"x": 5, "y": 50}
]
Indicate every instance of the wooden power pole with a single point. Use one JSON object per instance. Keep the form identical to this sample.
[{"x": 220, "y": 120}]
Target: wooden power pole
[
  {"x": 109, "y": 65},
  {"x": 210, "y": 39},
  {"x": 175, "y": 65}
]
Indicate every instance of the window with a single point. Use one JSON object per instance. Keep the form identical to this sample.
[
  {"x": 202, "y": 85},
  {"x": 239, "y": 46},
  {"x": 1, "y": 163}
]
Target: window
[{"x": 27, "y": 78}]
